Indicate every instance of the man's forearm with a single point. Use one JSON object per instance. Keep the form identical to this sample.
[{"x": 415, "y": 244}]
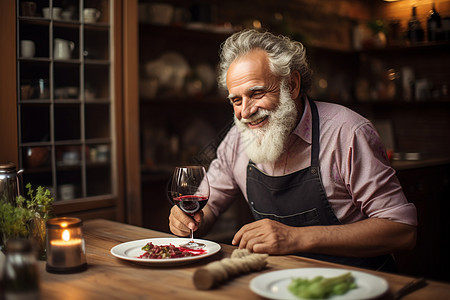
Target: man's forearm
[{"x": 370, "y": 237}]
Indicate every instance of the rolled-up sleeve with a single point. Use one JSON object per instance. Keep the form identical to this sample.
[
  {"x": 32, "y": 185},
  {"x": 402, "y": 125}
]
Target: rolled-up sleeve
[
  {"x": 372, "y": 182},
  {"x": 223, "y": 186}
]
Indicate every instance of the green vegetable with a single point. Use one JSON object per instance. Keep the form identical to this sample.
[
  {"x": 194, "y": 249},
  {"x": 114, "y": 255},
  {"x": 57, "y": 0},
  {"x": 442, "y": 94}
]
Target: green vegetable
[{"x": 320, "y": 287}]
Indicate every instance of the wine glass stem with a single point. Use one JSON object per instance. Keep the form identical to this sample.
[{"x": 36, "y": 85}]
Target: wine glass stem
[{"x": 192, "y": 236}]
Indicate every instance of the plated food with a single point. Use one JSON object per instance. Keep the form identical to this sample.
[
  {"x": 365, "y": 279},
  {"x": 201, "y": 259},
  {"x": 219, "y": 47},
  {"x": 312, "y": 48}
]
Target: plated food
[
  {"x": 168, "y": 251},
  {"x": 275, "y": 285},
  {"x": 131, "y": 251}
]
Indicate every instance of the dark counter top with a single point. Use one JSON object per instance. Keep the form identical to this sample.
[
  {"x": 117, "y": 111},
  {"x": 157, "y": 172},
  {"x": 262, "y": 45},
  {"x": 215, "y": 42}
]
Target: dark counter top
[{"x": 421, "y": 163}]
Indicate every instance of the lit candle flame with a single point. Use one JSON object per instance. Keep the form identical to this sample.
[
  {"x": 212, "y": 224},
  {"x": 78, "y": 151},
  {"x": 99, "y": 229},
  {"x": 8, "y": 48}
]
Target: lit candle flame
[
  {"x": 64, "y": 224},
  {"x": 66, "y": 235}
]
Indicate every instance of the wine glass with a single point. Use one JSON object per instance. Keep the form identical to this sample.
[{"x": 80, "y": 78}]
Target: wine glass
[{"x": 189, "y": 190}]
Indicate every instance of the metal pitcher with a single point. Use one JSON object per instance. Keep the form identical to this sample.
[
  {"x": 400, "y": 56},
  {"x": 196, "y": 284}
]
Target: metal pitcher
[{"x": 10, "y": 184}]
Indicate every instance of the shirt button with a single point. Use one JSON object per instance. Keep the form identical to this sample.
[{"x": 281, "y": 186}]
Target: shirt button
[{"x": 249, "y": 169}]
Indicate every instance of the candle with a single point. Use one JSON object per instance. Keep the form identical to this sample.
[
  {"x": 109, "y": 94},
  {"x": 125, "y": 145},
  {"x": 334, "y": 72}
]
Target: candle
[
  {"x": 66, "y": 252},
  {"x": 65, "y": 246}
]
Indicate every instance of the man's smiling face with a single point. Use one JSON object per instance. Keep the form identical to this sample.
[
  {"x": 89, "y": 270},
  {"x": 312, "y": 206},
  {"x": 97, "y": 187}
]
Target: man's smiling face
[
  {"x": 252, "y": 87},
  {"x": 264, "y": 111}
]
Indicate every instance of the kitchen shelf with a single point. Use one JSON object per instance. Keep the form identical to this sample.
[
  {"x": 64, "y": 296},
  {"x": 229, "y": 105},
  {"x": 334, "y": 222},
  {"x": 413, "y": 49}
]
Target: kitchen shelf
[
  {"x": 34, "y": 20},
  {"x": 66, "y": 24},
  {"x": 34, "y": 59},
  {"x": 398, "y": 103},
  {"x": 204, "y": 33},
  {"x": 419, "y": 48},
  {"x": 65, "y": 105},
  {"x": 97, "y": 26}
]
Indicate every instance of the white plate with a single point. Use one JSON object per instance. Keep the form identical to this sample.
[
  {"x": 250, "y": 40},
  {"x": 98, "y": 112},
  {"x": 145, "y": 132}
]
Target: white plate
[
  {"x": 274, "y": 285},
  {"x": 132, "y": 250}
]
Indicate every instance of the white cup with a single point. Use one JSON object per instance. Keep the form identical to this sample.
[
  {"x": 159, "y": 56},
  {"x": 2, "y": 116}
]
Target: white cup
[
  {"x": 27, "y": 48},
  {"x": 71, "y": 158},
  {"x": 46, "y": 12},
  {"x": 67, "y": 191},
  {"x": 56, "y": 12},
  {"x": 63, "y": 49},
  {"x": 67, "y": 15},
  {"x": 91, "y": 15}
]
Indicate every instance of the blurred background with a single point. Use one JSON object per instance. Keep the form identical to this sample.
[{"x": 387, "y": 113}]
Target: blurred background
[
  {"x": 384, "y": 59},
  {"x": 101, "y": 99}
]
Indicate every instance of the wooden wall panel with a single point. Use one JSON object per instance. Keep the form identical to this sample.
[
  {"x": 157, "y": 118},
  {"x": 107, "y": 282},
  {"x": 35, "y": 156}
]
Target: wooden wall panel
[
  {"x": 8, "y": 90},
  {"x": 131, "y": 113}
]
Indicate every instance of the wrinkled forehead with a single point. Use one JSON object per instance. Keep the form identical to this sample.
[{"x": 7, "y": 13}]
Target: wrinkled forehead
[
  {"x": 256, "y": 58},
  {"x": 253, "y": 66}
]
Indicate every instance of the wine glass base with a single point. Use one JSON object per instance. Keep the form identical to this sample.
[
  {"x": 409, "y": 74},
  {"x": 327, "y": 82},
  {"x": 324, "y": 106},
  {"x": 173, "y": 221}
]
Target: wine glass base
[{"x": 193, "y": 245}]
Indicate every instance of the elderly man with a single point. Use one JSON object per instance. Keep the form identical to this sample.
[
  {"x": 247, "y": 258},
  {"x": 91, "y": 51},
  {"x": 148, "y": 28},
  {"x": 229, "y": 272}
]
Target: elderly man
[{"x": 314, "y": 174}]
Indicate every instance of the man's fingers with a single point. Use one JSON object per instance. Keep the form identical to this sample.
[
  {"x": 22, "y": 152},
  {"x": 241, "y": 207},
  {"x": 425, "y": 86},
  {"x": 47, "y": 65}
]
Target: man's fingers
[
  {"x": 243, "y": 235},
  {"x": 198, "y": 217},
  {"x": 237, "y": 237},
  {"x": 179, "y": 222}
]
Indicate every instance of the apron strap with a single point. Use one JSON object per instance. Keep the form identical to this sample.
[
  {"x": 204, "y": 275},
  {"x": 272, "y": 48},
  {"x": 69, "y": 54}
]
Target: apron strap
[{"x": 315, "y": 146}]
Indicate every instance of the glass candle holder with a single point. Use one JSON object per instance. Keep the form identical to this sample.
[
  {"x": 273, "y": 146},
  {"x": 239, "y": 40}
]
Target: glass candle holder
[{"x": 66, "y": 251}]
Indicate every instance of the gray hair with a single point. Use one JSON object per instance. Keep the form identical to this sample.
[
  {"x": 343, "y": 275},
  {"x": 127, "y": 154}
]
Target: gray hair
[{"x": 285, "y": 55}]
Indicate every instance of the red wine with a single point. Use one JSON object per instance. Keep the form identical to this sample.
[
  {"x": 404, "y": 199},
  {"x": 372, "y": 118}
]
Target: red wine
[{"x": 190, "y": 204}]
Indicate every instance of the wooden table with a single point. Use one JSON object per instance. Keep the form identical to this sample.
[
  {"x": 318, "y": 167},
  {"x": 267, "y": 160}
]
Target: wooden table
[{"x": 108, "y": 277}]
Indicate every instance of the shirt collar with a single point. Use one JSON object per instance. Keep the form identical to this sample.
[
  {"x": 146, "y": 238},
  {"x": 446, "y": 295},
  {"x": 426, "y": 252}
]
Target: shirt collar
[{"x": 304, "y": 127}]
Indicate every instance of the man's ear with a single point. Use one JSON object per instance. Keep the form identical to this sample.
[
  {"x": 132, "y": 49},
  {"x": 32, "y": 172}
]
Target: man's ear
[{"x": 295, "y": 84}]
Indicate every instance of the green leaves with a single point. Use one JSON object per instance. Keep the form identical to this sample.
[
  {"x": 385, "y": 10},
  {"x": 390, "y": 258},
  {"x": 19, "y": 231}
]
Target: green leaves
[
  {"x": 15, "y": 217},
  {"x": 39, "y": 201},
  {"x": 13, "y": 220}
]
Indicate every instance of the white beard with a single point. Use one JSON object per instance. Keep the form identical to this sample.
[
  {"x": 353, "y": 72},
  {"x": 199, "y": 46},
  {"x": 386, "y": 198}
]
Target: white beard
[{"x": 266, "y": 144}]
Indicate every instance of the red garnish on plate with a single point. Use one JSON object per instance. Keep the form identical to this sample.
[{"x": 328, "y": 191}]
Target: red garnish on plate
[{"x": 168, "y": 251}]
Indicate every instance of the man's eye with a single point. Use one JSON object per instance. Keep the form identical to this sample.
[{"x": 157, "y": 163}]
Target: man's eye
[
  {"x": 236, "y": 101},
  {"x": 258, "y": 94}
]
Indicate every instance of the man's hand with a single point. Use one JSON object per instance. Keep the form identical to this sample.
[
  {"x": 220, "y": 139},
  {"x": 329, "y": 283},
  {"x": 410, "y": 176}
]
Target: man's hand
[
  {"x": 180, "y": 223},
  {"x": 266, "y": 236},
  {"x": 369, "y": 237}
]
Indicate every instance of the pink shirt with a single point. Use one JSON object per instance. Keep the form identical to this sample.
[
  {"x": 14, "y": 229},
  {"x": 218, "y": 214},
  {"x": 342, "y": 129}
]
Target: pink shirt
[{"x": 356, "y": 174}]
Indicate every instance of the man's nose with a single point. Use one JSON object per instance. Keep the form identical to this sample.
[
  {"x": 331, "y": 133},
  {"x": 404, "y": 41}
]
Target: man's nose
[{"x": 248, "y": 108}]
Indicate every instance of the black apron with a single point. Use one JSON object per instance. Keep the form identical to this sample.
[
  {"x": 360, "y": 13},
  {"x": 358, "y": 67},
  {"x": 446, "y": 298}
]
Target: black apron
[{"x": 299, "y": 199}]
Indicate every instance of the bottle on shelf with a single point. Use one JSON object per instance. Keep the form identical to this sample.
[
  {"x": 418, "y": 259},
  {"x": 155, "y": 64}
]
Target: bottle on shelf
[
  {"x": 415, "y": 31},
  {"x": 434, "y": 25},
  {"x": 446, "y": 28}
]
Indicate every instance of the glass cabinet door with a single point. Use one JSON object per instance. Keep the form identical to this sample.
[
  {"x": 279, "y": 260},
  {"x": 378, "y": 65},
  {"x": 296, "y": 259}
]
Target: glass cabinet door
[{"x": 65, "y": 104}]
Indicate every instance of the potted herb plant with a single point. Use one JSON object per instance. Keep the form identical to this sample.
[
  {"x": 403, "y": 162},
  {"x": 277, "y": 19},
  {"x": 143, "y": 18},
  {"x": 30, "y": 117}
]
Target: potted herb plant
[{"x": 27, "y": 217}]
